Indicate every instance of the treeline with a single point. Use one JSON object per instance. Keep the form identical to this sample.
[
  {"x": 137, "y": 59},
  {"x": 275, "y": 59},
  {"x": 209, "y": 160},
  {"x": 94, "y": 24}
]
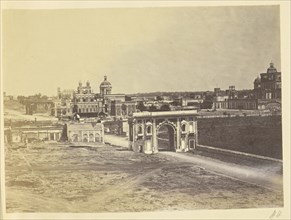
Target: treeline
[{"x": 38, "y": 96}]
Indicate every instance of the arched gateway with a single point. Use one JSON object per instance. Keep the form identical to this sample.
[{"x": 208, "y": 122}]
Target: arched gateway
[{"x": 150, "y": 132}]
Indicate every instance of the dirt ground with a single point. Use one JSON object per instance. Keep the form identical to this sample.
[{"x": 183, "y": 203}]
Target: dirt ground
[{"x": 54, "y": 177}]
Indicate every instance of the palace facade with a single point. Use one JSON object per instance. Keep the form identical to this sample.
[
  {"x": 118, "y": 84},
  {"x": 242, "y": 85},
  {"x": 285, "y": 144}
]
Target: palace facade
[
  {"x": 84, "y": 102},
  {"x": 265, "y": 95}
]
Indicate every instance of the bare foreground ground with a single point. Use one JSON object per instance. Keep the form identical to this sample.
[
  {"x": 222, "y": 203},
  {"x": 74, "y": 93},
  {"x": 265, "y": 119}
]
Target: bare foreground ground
[{"x": 54, "y": 177}]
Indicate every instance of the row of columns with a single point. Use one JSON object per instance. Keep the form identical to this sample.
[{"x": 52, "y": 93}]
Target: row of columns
[
  {"x": 151, "y": 145},
  {"x": 94, "y": 135},
  {"x": 178, "y": 133},
  {"x": 48, "y": 135},
  {"x": 154, "y": 134}
]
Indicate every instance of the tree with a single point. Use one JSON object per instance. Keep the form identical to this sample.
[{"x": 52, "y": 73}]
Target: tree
[
  {"x": 152, "y": 108},
  {"x": 21, "y": 99},
  {"x": 140, "y": 106},
  {"x": 123, "y": 108},
  {"x": 127, "y": 98},
  {"x": 159, "y": 98},
  {"x": 44, "y": 97},
  {"x": 165, "y": 107}
]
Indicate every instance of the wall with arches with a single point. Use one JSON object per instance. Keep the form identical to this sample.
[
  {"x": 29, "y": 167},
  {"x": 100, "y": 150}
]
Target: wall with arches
[{"x": 143, "y": 131}]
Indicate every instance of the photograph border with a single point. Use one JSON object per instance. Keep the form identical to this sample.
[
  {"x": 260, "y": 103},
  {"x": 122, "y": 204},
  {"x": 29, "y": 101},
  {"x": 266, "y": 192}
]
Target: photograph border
[{"x": 265, "y": 213}]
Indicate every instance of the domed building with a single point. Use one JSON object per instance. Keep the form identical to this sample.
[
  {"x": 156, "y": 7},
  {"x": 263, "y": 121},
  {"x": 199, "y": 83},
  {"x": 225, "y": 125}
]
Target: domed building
[
  {"x": 86, "y": 103},
  {"x": 267, "y": 89},
  {"x": 115, "y": 104},
  {"x": 105, "y": 87},
  {"x": 268, "y": 85}
]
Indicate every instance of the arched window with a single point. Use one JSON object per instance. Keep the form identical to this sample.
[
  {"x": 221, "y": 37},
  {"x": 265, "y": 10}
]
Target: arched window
[
  {"x": 149, "y": 129},
  {"x": 183, "y": 128},
  {"x": 139, "y": 131}
]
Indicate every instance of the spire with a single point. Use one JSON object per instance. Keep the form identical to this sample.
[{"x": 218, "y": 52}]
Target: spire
[
  {"x": 272, "y": 64},
  {"x": 105, "y": 78}
]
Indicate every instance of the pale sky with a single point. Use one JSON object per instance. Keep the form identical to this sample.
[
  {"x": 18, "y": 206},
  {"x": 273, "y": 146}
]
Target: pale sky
[{"x": 139, "y": 49}]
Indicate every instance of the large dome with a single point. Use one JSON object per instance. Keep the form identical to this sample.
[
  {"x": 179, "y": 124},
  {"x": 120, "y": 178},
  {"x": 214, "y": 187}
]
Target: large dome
[{"x": 105, "y": 83}]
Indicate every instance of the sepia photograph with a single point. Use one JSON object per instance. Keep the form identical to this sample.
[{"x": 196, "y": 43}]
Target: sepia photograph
[{"x": 142, "y": 110}]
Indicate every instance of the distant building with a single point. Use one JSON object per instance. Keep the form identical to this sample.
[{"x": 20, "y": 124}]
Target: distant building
[
  {"x": 267, "y": 89},
  {"x": 229, "y": 99},
  {"x": 27, "y": 134},
  {"x": 38, "y": 105},
  {"x": 65, "y": 94},
  {"x": 85, "y": 132},
  {"x": 115, "y": 105},
  {"x": 268, "y": 85},
  {"x": 265, "y": 95},
  {"x": 122, "y": 108},
  {"x": 7, "y": 97},
  {"x": 89, "y": 104},
  {"x": 242, "y": 104},
  {"x": 232, "y": 93},
  {"x": 86, "y": 102},
  {"x": 105, "y": 87}
]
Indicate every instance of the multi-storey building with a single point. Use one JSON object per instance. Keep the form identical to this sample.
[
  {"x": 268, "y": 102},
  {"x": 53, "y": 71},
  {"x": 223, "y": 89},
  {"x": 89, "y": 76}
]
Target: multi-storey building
[
  {"x": 267, "y": 89},
  {"x": 122, "y": 108},
  {"x": 229, "y": 99},
  {"x": 268, "y": 85},
  {"x": 265, "y": 95},
  {"x": 86, "y": 101}
]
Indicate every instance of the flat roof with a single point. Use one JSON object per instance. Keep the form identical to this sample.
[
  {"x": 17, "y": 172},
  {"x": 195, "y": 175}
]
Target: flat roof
[{"x": 165, "y": 113}]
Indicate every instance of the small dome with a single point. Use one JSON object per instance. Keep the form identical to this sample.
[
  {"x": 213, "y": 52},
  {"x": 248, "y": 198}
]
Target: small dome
[
  {"x": 105, "y": 83},
  {"x": 271, "y": 69}
]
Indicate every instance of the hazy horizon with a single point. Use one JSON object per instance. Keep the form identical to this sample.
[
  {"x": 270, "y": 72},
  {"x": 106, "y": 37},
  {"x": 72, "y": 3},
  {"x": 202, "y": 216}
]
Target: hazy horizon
[{"x": 140, "y": 50}]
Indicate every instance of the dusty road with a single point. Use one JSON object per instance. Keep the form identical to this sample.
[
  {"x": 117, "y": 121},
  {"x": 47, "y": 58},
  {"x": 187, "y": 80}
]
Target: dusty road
[
  {"x": 51, "y": 177},
  {"x": 254, "y": 175},
  {"x": 255, "y": 171}
]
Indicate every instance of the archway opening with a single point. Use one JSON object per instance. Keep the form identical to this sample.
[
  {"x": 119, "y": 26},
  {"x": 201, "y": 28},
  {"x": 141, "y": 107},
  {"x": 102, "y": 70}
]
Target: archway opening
[{"x": 166, "y": 138}]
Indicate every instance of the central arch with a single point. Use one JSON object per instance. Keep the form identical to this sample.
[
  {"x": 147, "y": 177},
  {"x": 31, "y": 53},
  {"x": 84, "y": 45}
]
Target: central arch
[
  {"x": 166, "y": 137},
  {"x": 151, "y": 132}
]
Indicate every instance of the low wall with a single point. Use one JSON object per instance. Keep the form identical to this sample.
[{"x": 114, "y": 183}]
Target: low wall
[{"x": 255, "y": 135}]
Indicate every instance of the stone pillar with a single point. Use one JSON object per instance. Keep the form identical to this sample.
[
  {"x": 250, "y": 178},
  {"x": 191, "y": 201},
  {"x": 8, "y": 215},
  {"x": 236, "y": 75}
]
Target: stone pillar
[
  {"x": 154, "y": 136},
  {"x": 134, "y": 133},
  {"x": 102, "y": 134},
  {"x": 132, "y": 130},
  {"x": 88, "y": 137},
  {"x": 178, "y": 135},
  {"x": 54, "y": 136},
  {"x": 196, "y": 133}
]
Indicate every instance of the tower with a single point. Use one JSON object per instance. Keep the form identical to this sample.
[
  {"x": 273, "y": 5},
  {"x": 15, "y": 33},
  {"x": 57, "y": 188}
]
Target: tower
[{"x": 105, "y": 87}]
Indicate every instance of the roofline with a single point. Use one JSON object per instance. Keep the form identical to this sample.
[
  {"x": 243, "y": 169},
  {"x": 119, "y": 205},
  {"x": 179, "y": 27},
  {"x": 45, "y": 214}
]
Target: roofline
[{"x": 165, "y": 114}]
